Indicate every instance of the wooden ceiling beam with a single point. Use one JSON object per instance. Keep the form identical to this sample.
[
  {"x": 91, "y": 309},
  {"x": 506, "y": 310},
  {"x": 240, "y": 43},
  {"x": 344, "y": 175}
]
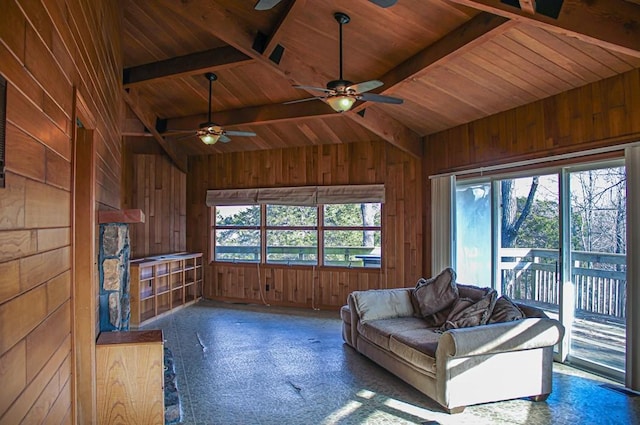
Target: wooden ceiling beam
[
  {"x": 612, "y": 24},
  {"x": 528, "y": 6},
  {"x": 256, "y": 115},
  {"x": 195, "y": 63},
  {"x": 148, "y": 118},
  {"x": 389, "y": 129},
  {"x": 291, "y": 13}
]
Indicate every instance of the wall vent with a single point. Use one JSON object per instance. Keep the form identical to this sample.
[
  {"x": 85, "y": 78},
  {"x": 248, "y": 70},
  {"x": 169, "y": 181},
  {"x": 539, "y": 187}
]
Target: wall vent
[{"x": 3, "y": 127}]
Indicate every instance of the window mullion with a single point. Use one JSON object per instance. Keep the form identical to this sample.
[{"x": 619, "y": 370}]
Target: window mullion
[
  {"x": 320, "y": 230},
  {"x": 263, "y": 234}
]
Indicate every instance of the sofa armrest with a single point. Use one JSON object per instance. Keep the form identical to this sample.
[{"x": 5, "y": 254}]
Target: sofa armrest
[
  {"x": 376, "y": 304},
  {"x": 500, "y": 337}
]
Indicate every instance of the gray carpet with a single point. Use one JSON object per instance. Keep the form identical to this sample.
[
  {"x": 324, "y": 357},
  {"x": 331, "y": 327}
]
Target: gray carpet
[{"x": 247, "y": 364}]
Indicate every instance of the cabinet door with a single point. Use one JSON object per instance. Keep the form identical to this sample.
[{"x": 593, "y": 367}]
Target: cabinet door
[{"x": 130, "y": 380}]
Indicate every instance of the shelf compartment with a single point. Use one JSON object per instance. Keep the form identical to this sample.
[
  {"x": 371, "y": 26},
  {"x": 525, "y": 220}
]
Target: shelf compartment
[
  {"x": 147, "y": 309},
  {"x": 177, "y": 297},
  {"x": 164, "y": 303}
]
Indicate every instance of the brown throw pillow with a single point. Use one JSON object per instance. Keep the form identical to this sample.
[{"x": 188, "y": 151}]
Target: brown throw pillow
[
  {"x": 467, "y": 312},
  {"x": 474, "y": 292},
  {"x": 437, "y": 293},
  {"x": 414, "y": 301},
  {"x": 505, "y": 311}
]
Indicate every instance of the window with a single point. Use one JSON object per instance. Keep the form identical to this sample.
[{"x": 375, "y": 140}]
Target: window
[
  {"x": 473, "y": 230},
  {"x": 292, "y": 234},
  {"x": 262, "y": 225},
  {"x": 352, "y": 235},
  {"x": 237, "y": 233}
]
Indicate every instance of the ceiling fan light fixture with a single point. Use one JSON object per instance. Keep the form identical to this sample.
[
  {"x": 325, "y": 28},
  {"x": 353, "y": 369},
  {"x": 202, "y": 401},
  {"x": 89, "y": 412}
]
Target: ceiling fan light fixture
[
  {"x": 210, "y": 135},
  {"x": 341, "y": 102},
  {"x": 209, "y": 139}
]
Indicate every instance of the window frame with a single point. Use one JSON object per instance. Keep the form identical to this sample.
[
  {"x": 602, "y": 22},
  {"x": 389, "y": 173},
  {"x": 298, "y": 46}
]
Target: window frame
[{"x": 319, "y": 227}]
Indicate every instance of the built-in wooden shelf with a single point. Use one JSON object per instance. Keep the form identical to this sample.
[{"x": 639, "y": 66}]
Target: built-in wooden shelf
[{"x": 161, "y": 284}]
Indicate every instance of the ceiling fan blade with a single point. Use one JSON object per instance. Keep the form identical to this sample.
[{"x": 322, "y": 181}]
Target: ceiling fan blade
[
  {"x": 240, "y": 133},
  {"x": 303, "y": 100},
  {"x": 268, "y": 4},
  {"x": 365, "y": 86},
  {"x": 383, "y": 3},
  {"x": 372, "y": 97},
  {"x": 224, "y": 139},
  {"x": 315, "y": 88}
]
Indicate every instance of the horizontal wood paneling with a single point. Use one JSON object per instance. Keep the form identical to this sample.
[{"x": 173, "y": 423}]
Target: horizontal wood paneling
[
  {"x": 355, "y": 163},
  {"x": 49, "y": 51}
]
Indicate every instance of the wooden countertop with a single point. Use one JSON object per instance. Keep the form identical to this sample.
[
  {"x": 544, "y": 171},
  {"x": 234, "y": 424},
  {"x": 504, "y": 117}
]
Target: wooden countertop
[{"x": 131, "y": 337}]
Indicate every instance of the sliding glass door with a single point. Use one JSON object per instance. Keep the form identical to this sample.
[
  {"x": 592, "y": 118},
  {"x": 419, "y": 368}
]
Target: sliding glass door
[
  {"x": 529, "y": 229},
  {"x": 598, "y": 267},
  {"x": 556, "y": 241}
]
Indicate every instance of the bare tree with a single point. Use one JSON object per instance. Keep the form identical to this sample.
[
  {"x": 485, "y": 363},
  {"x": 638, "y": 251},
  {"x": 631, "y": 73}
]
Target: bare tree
[
  {"x": 511, "y": 221},
  {"x": 368, "y": 219}
]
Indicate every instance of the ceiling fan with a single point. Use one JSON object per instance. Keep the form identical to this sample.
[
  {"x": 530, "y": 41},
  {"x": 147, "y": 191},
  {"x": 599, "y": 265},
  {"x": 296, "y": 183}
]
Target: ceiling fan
[
  {"x": 341, "y": 94},
  {"x": 210, "y": 132},
  {"x": 269, "y": 4}
]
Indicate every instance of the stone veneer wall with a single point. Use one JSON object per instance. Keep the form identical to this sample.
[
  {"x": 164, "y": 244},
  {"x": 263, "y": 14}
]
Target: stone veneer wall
[{"x": 113, "y": 268}]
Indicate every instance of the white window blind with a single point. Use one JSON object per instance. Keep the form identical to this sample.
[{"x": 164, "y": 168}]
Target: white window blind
[
  {"x": 632, "y": 166},
  {"x": 442, "y": 236}
]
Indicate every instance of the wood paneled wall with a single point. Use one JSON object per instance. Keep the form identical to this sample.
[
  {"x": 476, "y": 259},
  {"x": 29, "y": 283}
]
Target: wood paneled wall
[
  {"x": 355, "y": 163},
  {"x": 158, "y": 188},
  {"x": 48, "y": 52},
  {"x": 597, "y": 115}
]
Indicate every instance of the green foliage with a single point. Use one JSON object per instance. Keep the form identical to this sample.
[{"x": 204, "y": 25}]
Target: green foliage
[
  {"x": 541, "y": 227},
  {"x": 284, "y": 215},
  {"x": 350, "y": 215}
]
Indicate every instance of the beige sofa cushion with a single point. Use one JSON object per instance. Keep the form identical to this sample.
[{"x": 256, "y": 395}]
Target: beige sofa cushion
[
  {"x": 416, "y": 346},
  {"x": 379, "y": 331},
  {"x": 382, "y": 304}
]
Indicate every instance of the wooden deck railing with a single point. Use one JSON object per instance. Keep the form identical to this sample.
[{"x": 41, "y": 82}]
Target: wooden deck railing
[
  {"x": 531, "y": 274},
  {"x": 346, "y": 256}
]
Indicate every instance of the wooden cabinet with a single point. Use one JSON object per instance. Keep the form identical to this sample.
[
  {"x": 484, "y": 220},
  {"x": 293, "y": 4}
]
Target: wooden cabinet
[
  {"x": 162, "y": 284},
  {"x": 130, "y": 377}
]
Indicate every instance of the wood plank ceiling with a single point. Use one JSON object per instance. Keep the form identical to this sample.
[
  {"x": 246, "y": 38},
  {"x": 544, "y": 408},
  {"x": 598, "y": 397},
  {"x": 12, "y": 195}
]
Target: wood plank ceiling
[{"x": 452, "y": 61}]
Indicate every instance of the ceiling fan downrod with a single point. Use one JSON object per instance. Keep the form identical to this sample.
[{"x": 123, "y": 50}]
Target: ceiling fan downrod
[
  {"x": 342, "y": 19},
  {"x": 211, "y": 77}
]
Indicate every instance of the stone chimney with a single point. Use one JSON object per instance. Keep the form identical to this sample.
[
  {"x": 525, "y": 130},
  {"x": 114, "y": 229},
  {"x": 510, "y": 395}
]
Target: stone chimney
[{"x": 113, "y": 268}]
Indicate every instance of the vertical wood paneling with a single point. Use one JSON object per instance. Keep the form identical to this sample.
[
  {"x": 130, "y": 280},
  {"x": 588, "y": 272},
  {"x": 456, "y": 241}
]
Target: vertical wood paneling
[
  {"x": 46, "y": 50},
  {"x": 596, "y": 115},
  {"x": 159, "y": 189},
  {"x": 356, "y": 163}
]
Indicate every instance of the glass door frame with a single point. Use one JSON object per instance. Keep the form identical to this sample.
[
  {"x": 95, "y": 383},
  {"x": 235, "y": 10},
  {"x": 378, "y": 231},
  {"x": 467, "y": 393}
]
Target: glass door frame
[{"x": 566, "y": 286}]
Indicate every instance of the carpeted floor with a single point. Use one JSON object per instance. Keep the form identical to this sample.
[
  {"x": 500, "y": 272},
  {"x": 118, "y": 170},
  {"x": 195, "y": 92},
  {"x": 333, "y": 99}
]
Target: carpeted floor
[{"x": 247, "y": 364}]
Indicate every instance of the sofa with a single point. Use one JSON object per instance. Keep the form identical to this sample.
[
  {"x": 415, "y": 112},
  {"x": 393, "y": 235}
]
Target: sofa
[{"x": 478, "y": 348}]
